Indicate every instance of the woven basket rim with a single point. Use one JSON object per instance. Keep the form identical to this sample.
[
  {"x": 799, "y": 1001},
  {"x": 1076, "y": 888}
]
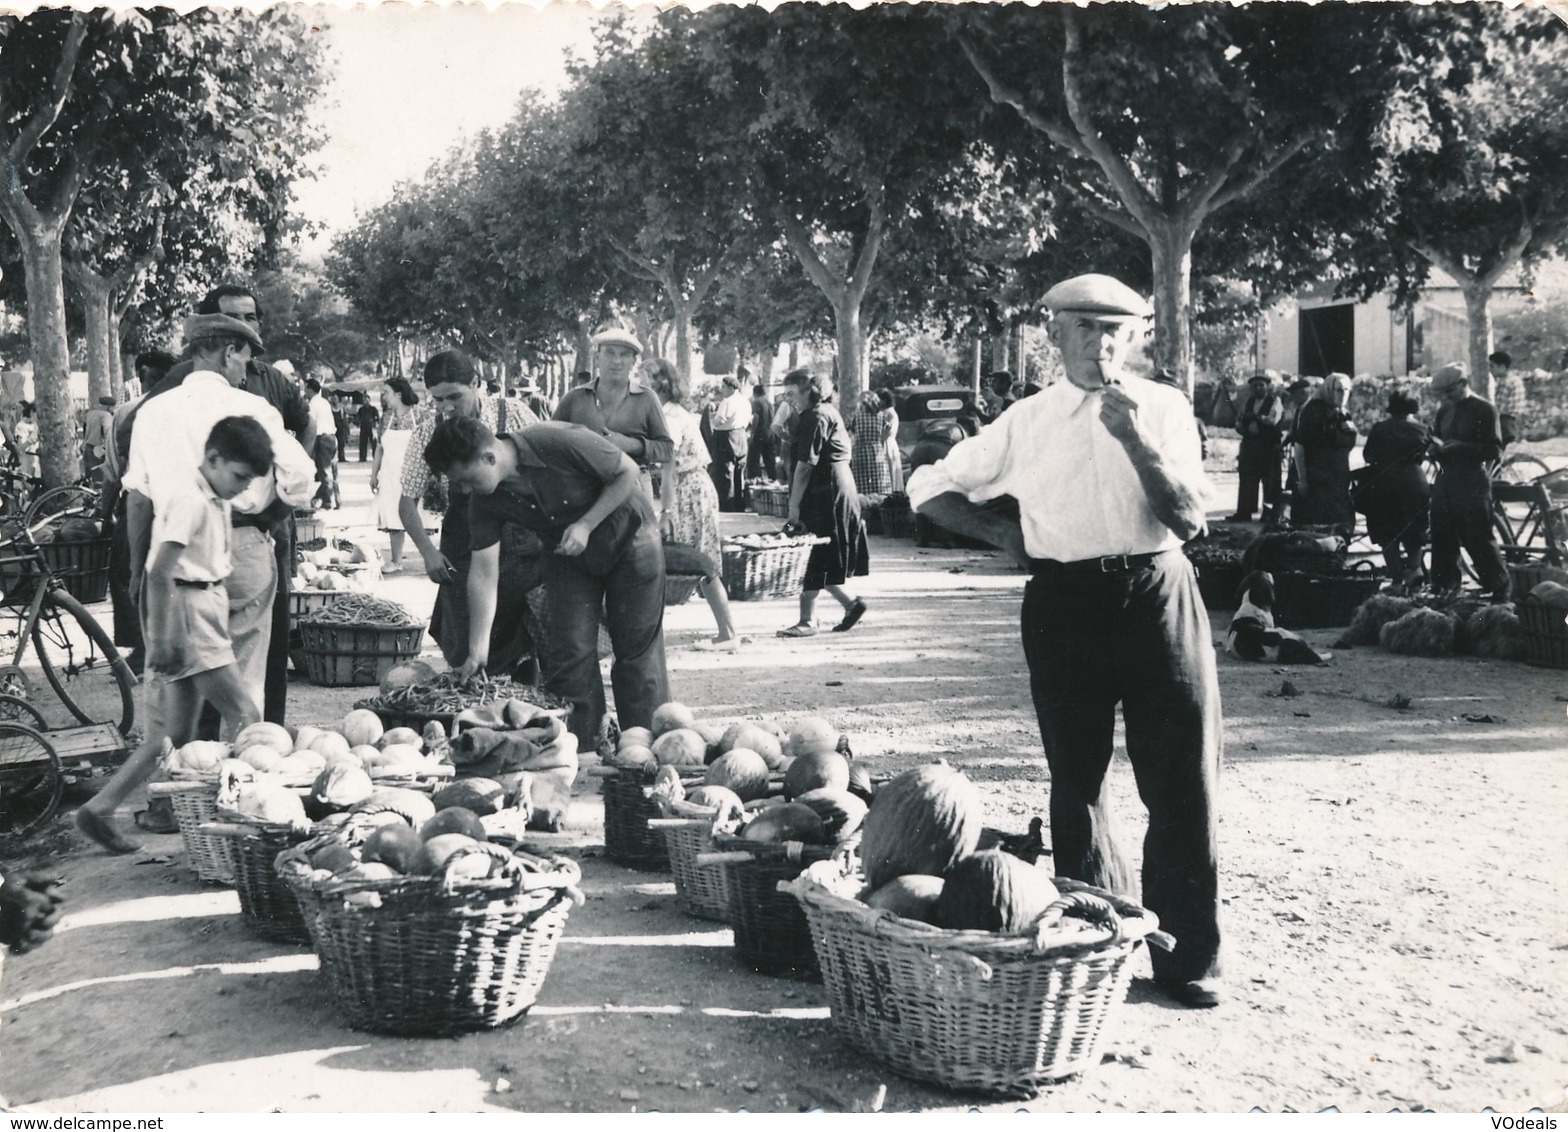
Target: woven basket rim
[
  {"x": 810, "y": 889},
  {"x": 293, "y": 866},
  {"x": 379, "y": 626}
]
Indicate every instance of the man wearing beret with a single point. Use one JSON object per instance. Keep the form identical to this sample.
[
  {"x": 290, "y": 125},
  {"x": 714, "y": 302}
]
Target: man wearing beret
[
  {"x": 1261, "y": 446},
  {"x": 1109, "y": 480},
  {"x": 1467, "y": 440}
]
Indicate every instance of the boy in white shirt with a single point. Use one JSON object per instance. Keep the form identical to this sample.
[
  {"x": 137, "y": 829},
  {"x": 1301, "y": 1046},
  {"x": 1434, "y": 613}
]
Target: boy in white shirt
[{"x": 186, "y": 615}]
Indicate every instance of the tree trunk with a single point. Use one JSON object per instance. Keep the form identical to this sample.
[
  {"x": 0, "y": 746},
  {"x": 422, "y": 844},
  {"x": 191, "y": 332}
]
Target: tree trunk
[
  {"x": 681, "y": 312},
  {"x": 93, "y": 292},
  {"x": 975, "y": 367},
  {"x": 584, "y": 360},
  {"x": 794, "y": 354},
  {"x": 1172, "y": 261},
  {"x": 1478, "y": 313},
  {"x": 58, "y": 450},
  {"x": 850, "y": 338}
]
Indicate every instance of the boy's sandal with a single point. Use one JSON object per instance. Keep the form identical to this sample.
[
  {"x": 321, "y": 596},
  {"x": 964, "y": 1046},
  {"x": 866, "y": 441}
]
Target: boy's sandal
[{"x": 798, "y": 631}]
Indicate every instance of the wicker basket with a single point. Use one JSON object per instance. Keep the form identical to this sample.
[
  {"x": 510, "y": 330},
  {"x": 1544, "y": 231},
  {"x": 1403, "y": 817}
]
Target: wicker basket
[
  {"x": 195, "y": 803},
  {"x": 678, "y": 588},
  {"x": 986, "y": 1011},
  {"x": 756, "y": 573},
  {"x": 772, "y": 935},
  {"x": 1545, "y": 631},
  {"x": 343, "y": 655},
  {"x": 627, "y": 811},
  {"x": 702, "y": 892},
  {"x": 898, "y": 521},
  {"x": 302, "y": 603},
  {"x": 269, "y": 906},
  {"x": 1321, "y": 601},
  {"x": 1219, "y": 583},
  {"x": 1527, "y": 575},
  {"x": 435, "y": 956},
  {"x": 307, "y": 527},
  {"x": 81, "y": 566}
]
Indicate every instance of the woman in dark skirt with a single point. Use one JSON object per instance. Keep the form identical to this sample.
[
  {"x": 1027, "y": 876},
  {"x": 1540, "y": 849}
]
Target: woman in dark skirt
[
  {"x": 824, "y": 502},
  {"x": 1399, "y": 493}
]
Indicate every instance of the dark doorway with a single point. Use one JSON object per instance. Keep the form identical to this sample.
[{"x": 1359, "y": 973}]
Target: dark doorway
[{"x": 1328, "y": 340}]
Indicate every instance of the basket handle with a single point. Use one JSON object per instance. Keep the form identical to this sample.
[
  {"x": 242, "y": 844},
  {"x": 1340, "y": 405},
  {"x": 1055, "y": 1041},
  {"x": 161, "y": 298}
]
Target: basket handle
[
  {"x": 731, "y": 857},
  {"x": 1100, "y": 910},
  {"x": 225, "y": 829}
]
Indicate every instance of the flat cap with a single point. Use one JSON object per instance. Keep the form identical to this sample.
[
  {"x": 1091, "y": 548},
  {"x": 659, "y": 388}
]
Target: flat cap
[
  {"x": 205, "y": 325},
  {"x": 1263, "y": 377},
  {"x": 1451, "y": 374},
  {"x": 1097, "y": 294},
  {"x": 615, "y": 336},
  {"x": 1299, "y": 384}
]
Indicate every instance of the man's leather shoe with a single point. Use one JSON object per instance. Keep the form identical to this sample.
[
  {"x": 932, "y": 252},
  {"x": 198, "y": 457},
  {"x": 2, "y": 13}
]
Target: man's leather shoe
[{"x": 1195, "y": 992}]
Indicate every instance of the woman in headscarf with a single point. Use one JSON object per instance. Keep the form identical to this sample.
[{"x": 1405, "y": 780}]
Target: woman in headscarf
[
  {"x": 1324, "y": 438},
  {"x": 690, "y": 522},
  {"x": 824, "y": 502}
]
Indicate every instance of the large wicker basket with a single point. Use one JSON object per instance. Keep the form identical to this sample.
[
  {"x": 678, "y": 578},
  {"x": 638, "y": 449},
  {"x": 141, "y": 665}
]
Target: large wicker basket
[
  {"x": 628, "y": 809},
  {"x": 1321, "y": 601},
  {"x": 702, "y": 892},
  {"x": 1545, "y": 634},
  {"x": 302, "y": 603},
  {"x": 756, "y": 573},
  {"x": 195, "y": 803},
  {"x": 345, "y": 655},
  {"x": 986, "y": 1011},
  {"x": 771, "y": 932},
  {"x": 678, "y": 588},
  {"x": 436, "y": 956},
  {"x": 82, "y": 567},
  {"x": 268, "y": 905},
  {"x": 897, "y": 520}
]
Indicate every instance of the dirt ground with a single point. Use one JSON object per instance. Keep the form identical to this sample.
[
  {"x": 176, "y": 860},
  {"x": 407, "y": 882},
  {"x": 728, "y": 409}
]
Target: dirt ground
[{"x": 1393, "y": 880}]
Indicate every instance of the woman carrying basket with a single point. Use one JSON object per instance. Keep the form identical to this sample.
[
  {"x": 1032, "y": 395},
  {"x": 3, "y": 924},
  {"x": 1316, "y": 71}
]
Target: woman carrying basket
[{"x": 823, "y": 501}]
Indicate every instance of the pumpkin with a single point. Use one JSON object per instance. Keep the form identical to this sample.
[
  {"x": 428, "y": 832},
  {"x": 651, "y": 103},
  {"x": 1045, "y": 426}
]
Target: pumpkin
[
  {"x": 453, "y": 819},
  {"x": 261, "y": 757},
  {"x": 401, "y": 737},
  {"x": 434, "y": 854},
  {"x": 396, "y": 755},
  {"x": 672, "y": 716},
  {"x": 266, "y": 734},
  {"x": 412, "y": 806},
  {"x": 634, "y": 737},
  {"x": 340, "y": 786},
  {"x": 329, "y": 743},
  {"x": 394, "y": 844},
  {"x": 201, "y": 755},
  {"x": 680, "y": 747},
  {"x": 742, "y": 771},
  {"x": 481, "y": 795},
  {"x": 306, "y": 736},
  {"x": 725, "y": 803},
  {"x": 993, "y": 892},
  {"x": 790, "y": 821},
  {"x": 360, "y": 754},
  {"x": 913, "y": 897},
  {"x": 637, "y": 757},
  {"x": 924, "y": 821},
  {"x": 841, "y": 812},
  {"x": 754, "y": 737},
  {"x": 821, "y": 770},
  {"x": 812, "y": 735},
  {"x": 335, "y": 858},
  {"x": 362, "y": 728},
  {"x": 268, "y": 802}
]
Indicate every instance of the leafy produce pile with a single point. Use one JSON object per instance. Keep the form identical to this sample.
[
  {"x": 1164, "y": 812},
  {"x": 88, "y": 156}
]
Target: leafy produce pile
[
  {"x": 418, "y": 688},
  {"x": 362, "y": 609}
]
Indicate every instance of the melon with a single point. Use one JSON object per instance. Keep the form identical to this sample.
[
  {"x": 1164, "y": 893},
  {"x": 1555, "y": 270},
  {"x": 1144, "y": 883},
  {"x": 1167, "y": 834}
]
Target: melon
[
  {"x": 268, "y": 802},
  {"x": 680, "y": 747},
  {"x": 721, "y": 799},
  {"x": 306, "y": 736},
  {"x": 340, "y": 786},
  {"x": 453, "y": 819},
  {"x": 841, "y": 812},
  {"x": 404, "y": 675},
  {"x": 434, "y": 854},
  {"x": 993, "y": 892},
  {"x": 362, "y": 727},
  {"x": 267, "y": 735},
  {"x": 201, "y": 755},
  {"x": 634, "y": 737},
  {"x": 334, "y": 858},
  {"x": 754, "y": 737},
  {"x": 362, "y": 753},
  {"x": 812, "y": 735},
  {"x": 480, "y": 795},
  {"x": 913, "y": 897},
  {"x": 745, "y": 772},
  {"x": 924, "y": 821},
  {"x": 260, "y": 756},
  {"x": 711, "y": 733},
  {"x": 298, "y": 766},
  {"x": 401, "y": 736},
  {"x": 636, "y": 757},
  {"x": 396, "y": 755},
  {"x": 671, "y": 717},
  {"x": 822, "y": 770},
  {"x": 394, "y": 844},
  {"x": 790, "y": 821},
  {"x": 412, "y": 806}
]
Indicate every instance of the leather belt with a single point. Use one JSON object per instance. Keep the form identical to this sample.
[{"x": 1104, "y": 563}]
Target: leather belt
[
  {"x": 1109, "y": 564},
  {"x": 196, "y": 584},
  {"x": 238, "y": 520}
]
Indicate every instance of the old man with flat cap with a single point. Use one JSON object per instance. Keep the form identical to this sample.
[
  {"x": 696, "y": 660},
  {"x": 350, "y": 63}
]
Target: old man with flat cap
[
  {"x": 1107, "y": 471},
  {"x": 1468, "y": 440}
]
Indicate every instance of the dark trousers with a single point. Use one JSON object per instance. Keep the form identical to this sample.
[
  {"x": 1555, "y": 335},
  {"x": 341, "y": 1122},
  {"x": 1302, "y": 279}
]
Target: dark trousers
[
  {"x": 759, "y": 458},
  {"x": 1258, "y": 466},
  {"x": 127, "y": 622},
  {"x": 327, "y": 471},
  {"x": 1463, "y": 519},
  {"x": 631, "y": 596},
  {"x": 367, "y": 443},
  {"x": 1141, "y": 640}
]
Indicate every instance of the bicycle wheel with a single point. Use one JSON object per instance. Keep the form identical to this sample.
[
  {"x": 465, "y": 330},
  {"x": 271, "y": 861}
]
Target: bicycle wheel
[
  {"x": 31, "y": 781},
  {"x": 57, "y": 502},
  {"x": 51, "y": 636},
  {"x": 1521, "y": 467},
  {"x": 14, "y": 682},
  {"x": 15, "y": 709}
]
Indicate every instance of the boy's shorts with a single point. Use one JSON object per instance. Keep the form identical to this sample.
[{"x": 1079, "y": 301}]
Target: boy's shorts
[{"x": 200, "y": 617}]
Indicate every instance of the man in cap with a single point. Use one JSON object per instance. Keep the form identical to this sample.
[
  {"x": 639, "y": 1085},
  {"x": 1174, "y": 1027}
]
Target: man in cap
[
  {"x": 1106, "y": 470},
  {"x": 1262, "y": 442},
  {"x": 731, "y": 420},
  {"x": 1467, "y": 441}
]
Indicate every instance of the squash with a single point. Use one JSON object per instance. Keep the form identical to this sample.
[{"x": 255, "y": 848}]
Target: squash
[
  {"x": 410, "y": 805},
  {"x": 812, "y": 735},
  {"x": 200, "y": 755},
  {"x": 742, "y": 771},
  {"x": 723, "y": 801},
  {"x": 401, "y": 737},
  {"x": 453, "y": 819},
  {"x": 335, "y": 858},
  {"x": 362, "y": 728},
  {"x": 913, "y": 897},
  {"x": 993, "y": 891},
  {"x": 261, "y": 757},
  {"x": 340, "y": 786},
  {"x": 821, "y": 770},
  {"x": 268, "y": 802},
  {"x": 394, "y": 844},
  {"x": 712, "y": 734},
  {"x": 329, "y": 743},
  {"x": 634, "y": 737},
  {"x": 680, "y": 747},
  {"x": 753, "y": 737},
  {"x": 672, "y": 716},
  {"x": 790, "y": 821},
  {"x": 434, "y": 854},
  {"x": 636, "y": 757},
  {"x": 841, "y": 812},
  {"x": 924, "y": 821},
  {"x": 306, "y": 736},
  {"x": 267, "y": 734}
]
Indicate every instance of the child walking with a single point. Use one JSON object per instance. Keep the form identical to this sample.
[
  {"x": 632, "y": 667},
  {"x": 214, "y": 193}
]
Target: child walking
[{"x": 185, "y": 617}]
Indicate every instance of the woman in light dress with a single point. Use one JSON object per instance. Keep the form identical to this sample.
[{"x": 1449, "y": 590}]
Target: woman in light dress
[{"x": 398, "y": 400}]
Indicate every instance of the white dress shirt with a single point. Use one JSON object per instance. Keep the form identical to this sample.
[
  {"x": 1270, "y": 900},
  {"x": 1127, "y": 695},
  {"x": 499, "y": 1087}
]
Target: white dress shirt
[
  {"x": 1078, "y": 494},
  {"x": 198, "y": 521},
  {"x": 732, "y": 412},
  {"x": 321, "y": 418},
  {"x": 169, "y": 442}
]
